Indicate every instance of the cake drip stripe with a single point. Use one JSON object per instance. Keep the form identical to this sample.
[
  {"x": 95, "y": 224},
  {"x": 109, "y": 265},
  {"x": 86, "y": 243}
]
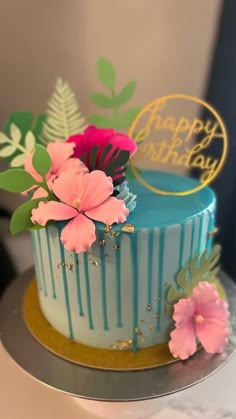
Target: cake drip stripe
[
  {"x": 50, "y": 263},
  {"x": 78, "y": 287},
  {"x": 87, "y": 288},
  {"x": 103, "y": 286},
  {"x": 192, "y": 238},
  {"x": 150, "y": 266},
  {"x": 211, "y": 224},
  {"x": 200, "y": 238},
  {"x": 65, "y": 286},
  {"x": 41, "y": 263},
  {"x": 160, "y": 276},
  {"x": 35, "y": 255},
  {"x": 134, "y": 251},
  {"x": 181, "y": 248},
  {"x": 118, "y": 283}
]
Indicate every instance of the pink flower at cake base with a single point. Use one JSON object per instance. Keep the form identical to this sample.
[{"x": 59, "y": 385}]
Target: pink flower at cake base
[
  {"x": 84, "y": 197},
  {"x": 93, "y": 136},
  {"x": 203, "y": 316},
  {"x": 60, "y": 154}
]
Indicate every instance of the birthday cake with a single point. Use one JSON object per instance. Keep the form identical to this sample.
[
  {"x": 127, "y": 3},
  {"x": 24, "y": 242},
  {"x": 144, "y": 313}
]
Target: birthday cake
[{"x": 119, "y": 269}]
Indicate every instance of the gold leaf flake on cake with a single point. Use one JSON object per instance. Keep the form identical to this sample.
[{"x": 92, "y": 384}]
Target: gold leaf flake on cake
[
  {"x": 128, "y": 228},
  {"x": 156, "y": 315},
  {"x": 149, "y": 307},
  {"x": 93, "y": 262},
  {"x": 102, "y": 243},
  {"x": 107, "y": 229},
  {"x": 124, "y": 344},
  {"x": 151, "y": 328},
  {"x": 213, "y": 232},
  {"x": 116, "y": 247}
]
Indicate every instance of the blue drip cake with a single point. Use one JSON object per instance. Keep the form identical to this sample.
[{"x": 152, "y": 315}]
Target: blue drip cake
[{"x": 114, "y": 296}]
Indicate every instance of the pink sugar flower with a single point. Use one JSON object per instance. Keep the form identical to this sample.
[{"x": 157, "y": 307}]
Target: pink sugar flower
[
  {"x": 203, "y": 316},
  {"x": 102, "y": 137},
  {"x": 84, "y": 197},
  {"x": 60, "y": 154}
]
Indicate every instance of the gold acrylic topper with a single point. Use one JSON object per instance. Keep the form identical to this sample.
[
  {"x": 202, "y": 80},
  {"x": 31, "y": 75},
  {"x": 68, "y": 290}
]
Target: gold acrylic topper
[{"x": 171, "y": 139}]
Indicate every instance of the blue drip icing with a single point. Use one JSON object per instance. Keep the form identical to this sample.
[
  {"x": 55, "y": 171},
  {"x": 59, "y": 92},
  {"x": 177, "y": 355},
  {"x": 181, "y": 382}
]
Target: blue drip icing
[
  {"x": 160, "y": 276},
  {"x": 150, "y": 263},
  {"x": 50, "y": 264},
  {"x": 211, "y": 224},
  {"x": 41, "y": 264},
  {"x": 35, "y": 253},
  {"x": 66, "y": 291},
  {"x": 200, "y": 238},
  {"x": 77, "y": 279},
  {"x": 87, "y": 287},
  {"x": 181, "y": 248},
  {"x": 118, "y": 283},
  {"x": 134, "y": 251},
  {"x": 103, "y": 286},
  {"x": 192, "y": 238}
]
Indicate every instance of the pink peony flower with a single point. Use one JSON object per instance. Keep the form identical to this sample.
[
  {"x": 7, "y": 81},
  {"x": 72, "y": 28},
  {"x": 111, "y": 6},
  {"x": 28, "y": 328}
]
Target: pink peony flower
[
  {"x": 203, "y": 316},
  {"x": 84, "y": 197},
  {"x": 60, "y": 154},
  {"x": 93, "y": 136}
]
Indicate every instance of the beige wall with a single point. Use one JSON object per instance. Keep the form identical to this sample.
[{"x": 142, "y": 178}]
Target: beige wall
[{"x": 164, "y": 44}]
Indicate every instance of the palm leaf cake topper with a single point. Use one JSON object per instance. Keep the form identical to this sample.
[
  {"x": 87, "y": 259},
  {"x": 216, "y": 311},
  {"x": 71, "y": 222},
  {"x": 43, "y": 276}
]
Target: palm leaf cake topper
[
  {"x": 200, "y": 268},
  {"x": 64, "y": 117}
]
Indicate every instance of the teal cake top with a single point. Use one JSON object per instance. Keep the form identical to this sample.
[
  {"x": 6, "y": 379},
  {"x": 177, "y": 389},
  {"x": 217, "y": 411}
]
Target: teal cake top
[{"x": 153, "y": 210}]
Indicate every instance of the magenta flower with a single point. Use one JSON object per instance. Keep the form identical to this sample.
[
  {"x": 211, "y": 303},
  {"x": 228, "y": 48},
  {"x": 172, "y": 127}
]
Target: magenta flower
[
  {"x": 102, "y": 138},
  {"x": 84, "y": 197},
  {"x": 60, "y": 154},
  {"x": 203, "y": 316}
]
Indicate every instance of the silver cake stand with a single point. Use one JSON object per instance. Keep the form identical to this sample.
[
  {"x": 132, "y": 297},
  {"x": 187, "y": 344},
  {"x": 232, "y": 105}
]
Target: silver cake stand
[{"x": 97, "y": 384}]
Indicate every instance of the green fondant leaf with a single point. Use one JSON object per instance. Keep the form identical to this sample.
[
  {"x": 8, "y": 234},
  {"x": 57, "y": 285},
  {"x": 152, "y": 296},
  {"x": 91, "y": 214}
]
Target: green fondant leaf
[
  {"x": 101, "y": 121},
  {"x": 17, "y": 128},
  {"x": 30, "y": 142},
  {"x": 101, "y": 100},
  {"x": 106, "y": 73},
  {"x": 7, "y": 151},
  {"x": 20, "y": 220},
  {"x": 3, "y": 138},
  {"x": 126, "y": 119},
  {"x": 104, "y": 155},
  {"x": 16, "y": 180},
  {"x": 200, "y": 268},
  {"x": 126, "y": 93},
  {"x": 19, "y": 160},
  {"x": 15, "y": 134},
  {"x": 93, "y": 157},
  {"x": 41, "y": 160}
]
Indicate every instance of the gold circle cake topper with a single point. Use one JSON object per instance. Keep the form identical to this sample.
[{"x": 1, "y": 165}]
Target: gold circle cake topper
[{"x": 170, "y": 138}]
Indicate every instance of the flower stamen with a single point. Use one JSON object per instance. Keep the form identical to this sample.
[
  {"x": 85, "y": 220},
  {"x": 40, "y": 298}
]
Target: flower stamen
[
  {"x": 76, "y": 203},
  {"x": 199, "y": 319}
]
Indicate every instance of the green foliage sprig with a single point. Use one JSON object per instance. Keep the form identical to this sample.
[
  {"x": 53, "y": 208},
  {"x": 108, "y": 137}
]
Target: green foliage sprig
[
  {"x": 107, "y": 76},
  {"x": 19, "y": 180},
  {"x": 20, "y": 136}
]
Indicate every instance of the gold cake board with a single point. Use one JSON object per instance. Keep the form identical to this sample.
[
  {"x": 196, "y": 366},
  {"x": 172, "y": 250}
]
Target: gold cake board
[
  {"x": 77, "y": 353},
  {"x": 88, "y": 356}
]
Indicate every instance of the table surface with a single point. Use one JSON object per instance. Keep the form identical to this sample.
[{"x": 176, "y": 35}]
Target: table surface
[{"x": 21, "y": 395}]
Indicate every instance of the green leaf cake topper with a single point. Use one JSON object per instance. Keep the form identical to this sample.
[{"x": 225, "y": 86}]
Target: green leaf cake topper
[
  {"x": 200, "y": 268},
  {"x": 63, "y": 115},
  {"x": 107, "y": 76},
  {"x": 19, "y": 137}
]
